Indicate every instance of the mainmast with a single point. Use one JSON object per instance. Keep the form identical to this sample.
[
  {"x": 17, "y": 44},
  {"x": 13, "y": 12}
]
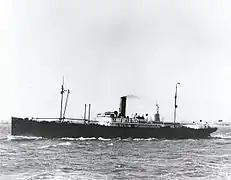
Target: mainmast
[{"x": 175, "y": 104}]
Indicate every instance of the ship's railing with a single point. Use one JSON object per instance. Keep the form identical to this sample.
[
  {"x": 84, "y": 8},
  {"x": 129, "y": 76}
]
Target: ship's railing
[
  {"x": 197, "y": 125},
  {"x": 140, "y": 121},
  {"x": 149, "y": 124},
  {"x": 75, "y": 120}
]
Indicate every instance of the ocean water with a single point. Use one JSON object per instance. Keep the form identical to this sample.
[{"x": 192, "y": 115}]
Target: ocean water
[{"x": 67, "y": 158}]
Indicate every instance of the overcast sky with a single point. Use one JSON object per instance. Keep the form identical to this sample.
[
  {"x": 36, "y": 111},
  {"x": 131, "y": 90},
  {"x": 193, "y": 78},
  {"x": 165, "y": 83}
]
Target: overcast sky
[{"x": 107, "y": 49}]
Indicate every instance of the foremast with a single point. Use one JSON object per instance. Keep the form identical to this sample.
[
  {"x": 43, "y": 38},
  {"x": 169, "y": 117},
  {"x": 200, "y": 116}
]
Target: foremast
[
  {"x": 175, "y": 105},
  {"x": 63, "y": 90}
]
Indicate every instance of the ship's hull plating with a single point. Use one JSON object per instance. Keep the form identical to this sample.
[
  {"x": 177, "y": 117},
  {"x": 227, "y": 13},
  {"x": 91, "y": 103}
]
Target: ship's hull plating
[{"x": 25, "y": 127}]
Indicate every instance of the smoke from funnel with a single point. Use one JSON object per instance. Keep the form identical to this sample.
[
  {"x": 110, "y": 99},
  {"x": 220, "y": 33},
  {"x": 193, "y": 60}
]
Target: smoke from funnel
[{"x": 131, "y": 96}]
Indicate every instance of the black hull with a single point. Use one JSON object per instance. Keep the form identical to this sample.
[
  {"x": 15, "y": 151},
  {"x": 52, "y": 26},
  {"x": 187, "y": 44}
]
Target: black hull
[{"x": 25, "y": 127}]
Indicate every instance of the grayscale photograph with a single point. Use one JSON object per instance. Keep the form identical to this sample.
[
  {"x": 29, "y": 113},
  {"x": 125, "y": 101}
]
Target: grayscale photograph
[{"x": 115, "y": 89}]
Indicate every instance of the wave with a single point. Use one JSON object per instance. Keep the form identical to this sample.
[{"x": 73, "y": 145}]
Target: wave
[
  {"x": 85, "y": 139},
  {"x": 103, "y": 139},
  {"x": 55, "y": 145},
  {"x": 221, "y": 136},
  {"x": 46, "y": 146},
  {"x": 16, "y": 138},
  {"x": 107, "y": 139},
  {"x": 64, "y": 144},
  {"x": 77, "y": 139},
  {"x": 127, "y": 139},
  {"x": 144, "y": 139},
  {"x": 3, "y": 138}
]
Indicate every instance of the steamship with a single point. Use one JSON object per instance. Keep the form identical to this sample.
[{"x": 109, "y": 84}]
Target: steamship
[{"x": 114, "y": 124}]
